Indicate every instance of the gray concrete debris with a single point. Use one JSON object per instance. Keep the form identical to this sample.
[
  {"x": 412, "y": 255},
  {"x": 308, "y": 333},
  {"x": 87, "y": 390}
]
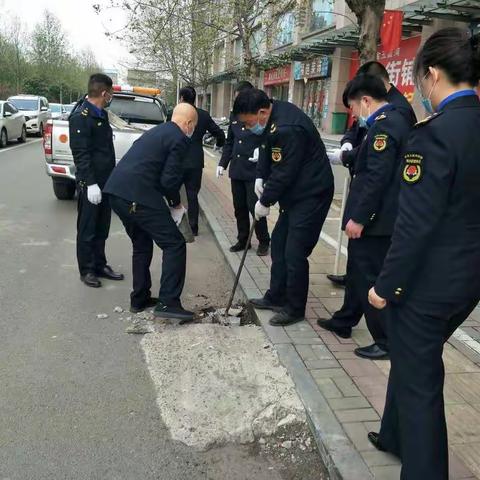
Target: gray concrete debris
[
  {"x": 223, "y": 387},
  {"x": 118, "y": 310},
  {"x": 102, "y": 316}
]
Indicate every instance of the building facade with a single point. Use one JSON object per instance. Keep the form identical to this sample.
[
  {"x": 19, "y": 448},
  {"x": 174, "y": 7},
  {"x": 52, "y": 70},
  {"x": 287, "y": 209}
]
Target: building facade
[{"x": 312, "y": 55}]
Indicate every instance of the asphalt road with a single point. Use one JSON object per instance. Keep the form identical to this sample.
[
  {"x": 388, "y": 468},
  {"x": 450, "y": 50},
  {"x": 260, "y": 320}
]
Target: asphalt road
[{"x": 76, "y": 398}]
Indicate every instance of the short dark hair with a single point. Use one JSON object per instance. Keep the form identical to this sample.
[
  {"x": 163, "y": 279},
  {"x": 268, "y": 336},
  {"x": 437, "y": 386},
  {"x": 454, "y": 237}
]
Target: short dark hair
[
  {"x": 243, "y": 85},
  {"x": 250, "y": 101},
  {"x": 97, "y": 83},
  {"x": 188, "y": 94},
  {"x": 345, "y": 95},
  {"x": 454, "y": 51},
  {"x": 366, "y": 85},
  {"x": 374, "y": 68}
]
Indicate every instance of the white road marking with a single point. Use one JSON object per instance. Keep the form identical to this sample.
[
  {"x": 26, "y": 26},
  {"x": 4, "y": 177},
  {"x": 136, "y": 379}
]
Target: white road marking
[
  {"x": 36, "y": 244},
  {"x": 9, "y": 149}
]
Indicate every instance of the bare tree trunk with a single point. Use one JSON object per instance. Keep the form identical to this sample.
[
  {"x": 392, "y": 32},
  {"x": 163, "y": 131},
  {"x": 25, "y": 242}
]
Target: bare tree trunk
[{"x": 369, "y": 14}]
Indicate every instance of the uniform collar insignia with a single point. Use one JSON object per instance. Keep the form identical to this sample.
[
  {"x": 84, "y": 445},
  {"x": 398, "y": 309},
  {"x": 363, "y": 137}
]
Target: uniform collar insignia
[
  {"x": 380, "y": 117},
  {"x": 273, "y": 128},
  {"x": 428, "y": 119}
]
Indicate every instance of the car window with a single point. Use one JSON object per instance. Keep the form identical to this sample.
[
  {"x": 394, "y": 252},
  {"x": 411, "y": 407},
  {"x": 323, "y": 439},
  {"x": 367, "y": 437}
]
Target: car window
[
  {"x": 43, "y": 103},
  {"x": 8, "y": 108},
  {"x": 25, "y": 104},
  {"x": 56, "y": 108},
  {"x": 141, "y": 110}
]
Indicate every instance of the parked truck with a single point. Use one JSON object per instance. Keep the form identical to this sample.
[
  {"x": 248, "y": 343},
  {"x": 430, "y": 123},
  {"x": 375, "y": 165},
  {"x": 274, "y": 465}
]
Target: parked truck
[{"x": 131, "y": 113}]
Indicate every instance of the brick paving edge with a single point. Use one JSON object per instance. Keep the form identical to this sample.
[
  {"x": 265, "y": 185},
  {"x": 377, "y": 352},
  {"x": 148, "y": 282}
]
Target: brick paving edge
[{"x": 340, "y": 457}]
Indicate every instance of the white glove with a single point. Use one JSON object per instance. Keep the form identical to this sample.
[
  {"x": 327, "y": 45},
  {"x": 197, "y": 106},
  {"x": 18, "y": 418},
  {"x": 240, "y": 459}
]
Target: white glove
[
  {"x": 259, "y": 187},
  {"x": 220, "y": 171},
  {"x": 254, "y": 157},
  {"x": 346, "y": 147},
  {"x": 261, "y": 211},
  {"x": 335, "y": 156},
  {"x": 94, "y": 194},
  {"x": 177, "y": 214}
]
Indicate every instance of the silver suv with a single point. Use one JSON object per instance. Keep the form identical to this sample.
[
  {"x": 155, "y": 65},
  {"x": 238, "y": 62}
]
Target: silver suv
[{"x": 36, "y": 111}]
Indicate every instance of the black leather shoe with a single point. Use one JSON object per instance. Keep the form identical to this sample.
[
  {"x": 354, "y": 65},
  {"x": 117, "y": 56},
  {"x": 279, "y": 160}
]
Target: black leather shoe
[
  {"x": 194, "y": 231},
  {"x": 91, "y": 280},
  {"x": 178, "y": 313},
  {"x": 340, "y": 280},
  {"x": 238, "y": 247},
  {"x": 151, "y": 302},
  {"x": 282, "y": 319},
  {"x": 372, "y": 352},
  {"x": 374, "y": 438},
  {"x": 327, "y": 324},
  {"x": 262, "y": 250},
  {"x": 107, "y": 272},
  {"x": 264, "y": 304}
]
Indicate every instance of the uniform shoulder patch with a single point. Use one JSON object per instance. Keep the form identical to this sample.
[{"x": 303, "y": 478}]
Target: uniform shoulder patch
[
  {"x": 428, "y": 119},
  {"x": 85, "y": 112},
  {"x": 382, "y": 116},
  {"x": 413, "y": 170},
  {"x": 380, "y": 142},
  {"x": 273, "y": 128},
  {"x": 276, "y": 154}
]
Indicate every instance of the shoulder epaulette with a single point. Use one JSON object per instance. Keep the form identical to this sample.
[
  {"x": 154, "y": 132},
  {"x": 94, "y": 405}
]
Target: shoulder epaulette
[
  {"x": 382, "y": 116},
  {"x": 428, "y": 119},
  {"x": 85, "y": 112}
]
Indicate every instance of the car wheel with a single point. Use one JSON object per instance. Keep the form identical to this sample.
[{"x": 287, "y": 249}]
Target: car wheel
[
  {"x": 23, "y": 137},
  {"x": 40, "y": 130},
  {"x": 3, "y": 139},
  {"x": 63, "y": 189}
]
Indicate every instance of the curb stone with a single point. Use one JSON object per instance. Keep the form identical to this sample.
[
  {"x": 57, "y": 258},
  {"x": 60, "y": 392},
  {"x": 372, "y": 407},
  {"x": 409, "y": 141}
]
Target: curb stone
[{"x": 340, "y": 457}]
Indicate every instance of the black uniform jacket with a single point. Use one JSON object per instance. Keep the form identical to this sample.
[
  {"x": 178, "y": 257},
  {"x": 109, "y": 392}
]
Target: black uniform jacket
[
  {"x": 435, "y": 251},
  {"x": 91, "y": 142},
  {"x": 373, "y": 197},
  {"x": 356, "y": 134},
  {"x": 152, "y": 168},
  {"x": 295, "y": 166},
  {"x": 194, "y": 157},
  {"x": 238, "y": 150}
]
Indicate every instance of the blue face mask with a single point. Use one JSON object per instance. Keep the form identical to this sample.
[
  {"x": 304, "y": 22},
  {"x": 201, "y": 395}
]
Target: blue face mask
[
  {"x": 257, "y": 129},
  {"x": 427, "y": 105},
  {"x": 362, "y": 122}
]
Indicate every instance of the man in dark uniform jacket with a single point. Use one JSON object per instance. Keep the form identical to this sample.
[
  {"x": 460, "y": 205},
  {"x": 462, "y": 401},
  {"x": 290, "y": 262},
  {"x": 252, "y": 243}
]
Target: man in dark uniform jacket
[
  {"x": 241, "y": 151},
  {"x": 149, "y": 172},
  {"x": 371, "y": 206},
  {"x": 300, "y": 179},
  {"x": 194, "y": 158},
  {"x": 91, "y": 142},
  {"x": 351, "y": 312}
]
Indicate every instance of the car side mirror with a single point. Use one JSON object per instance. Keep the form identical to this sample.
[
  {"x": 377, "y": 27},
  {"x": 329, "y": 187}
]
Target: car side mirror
[
  {"x": 44, "y": 109},
  {"x": 7, "y": 114}
]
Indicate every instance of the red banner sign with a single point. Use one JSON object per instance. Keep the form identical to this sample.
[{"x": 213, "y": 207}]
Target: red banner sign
[
  {"x": 277, "y": 75},
  {"x": 399, "y": 64}
]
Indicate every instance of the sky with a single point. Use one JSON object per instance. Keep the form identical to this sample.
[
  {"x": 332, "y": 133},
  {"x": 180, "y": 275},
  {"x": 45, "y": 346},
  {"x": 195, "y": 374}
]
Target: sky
[{"x": 83, "y": 26}]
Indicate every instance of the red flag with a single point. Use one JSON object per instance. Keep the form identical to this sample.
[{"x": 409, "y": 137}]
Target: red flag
[{"x": 391, "y": 31}]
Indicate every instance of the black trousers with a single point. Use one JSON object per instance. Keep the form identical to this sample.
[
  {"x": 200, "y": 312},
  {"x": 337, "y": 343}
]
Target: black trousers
[
  {"x": 93, "y": 227},
  {"x": 244, "y": 200},
  {"x": 192, "y": 179},
  {"x": 352, "y": 309},
  {"x": 413, "y": 423},
  {"x": 367, "y": 255},
  {"x": 144, "y": 226},
  {"x": 293, "y": 239}
]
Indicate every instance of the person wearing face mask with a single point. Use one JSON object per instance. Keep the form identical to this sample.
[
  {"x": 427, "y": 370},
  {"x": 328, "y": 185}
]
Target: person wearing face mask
[
  {"x": 194, "y": 159},
  {"x": 299, "y": 178},
  {"x": 371, "y": 205},
  {"x": 150, "y": 172},
  {"x": 430, "y": 281},
  {"x": 240, "y": 155},
  {"x": 91, "y": 142}
]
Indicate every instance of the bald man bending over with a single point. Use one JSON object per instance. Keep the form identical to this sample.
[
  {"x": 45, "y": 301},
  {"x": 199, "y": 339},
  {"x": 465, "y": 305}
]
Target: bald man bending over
[{"x": 144, "y": 193}]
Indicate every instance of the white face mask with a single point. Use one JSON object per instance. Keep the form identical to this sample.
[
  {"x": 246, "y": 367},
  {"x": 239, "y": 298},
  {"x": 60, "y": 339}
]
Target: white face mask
[{"x": 189, "y": 134}]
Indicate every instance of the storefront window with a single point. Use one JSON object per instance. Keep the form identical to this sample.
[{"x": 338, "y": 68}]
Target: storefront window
[
  {"x": 278, "y": 92},
  {"x": 322, "y": 15}
]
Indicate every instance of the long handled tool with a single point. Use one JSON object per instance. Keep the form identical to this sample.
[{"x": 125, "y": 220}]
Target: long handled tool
[{"x": 240, "y": 268}]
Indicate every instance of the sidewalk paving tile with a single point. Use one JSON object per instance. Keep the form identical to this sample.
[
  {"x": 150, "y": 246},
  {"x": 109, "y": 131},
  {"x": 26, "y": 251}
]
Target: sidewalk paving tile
[{"x": 344, "y": 395}]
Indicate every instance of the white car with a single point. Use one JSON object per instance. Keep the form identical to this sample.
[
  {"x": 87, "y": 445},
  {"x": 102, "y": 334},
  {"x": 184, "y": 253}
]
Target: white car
[
  {"x": 36, "y": 110},
  {"x": 57, "y": 110},
  {"x": 12, "y": 124}
]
